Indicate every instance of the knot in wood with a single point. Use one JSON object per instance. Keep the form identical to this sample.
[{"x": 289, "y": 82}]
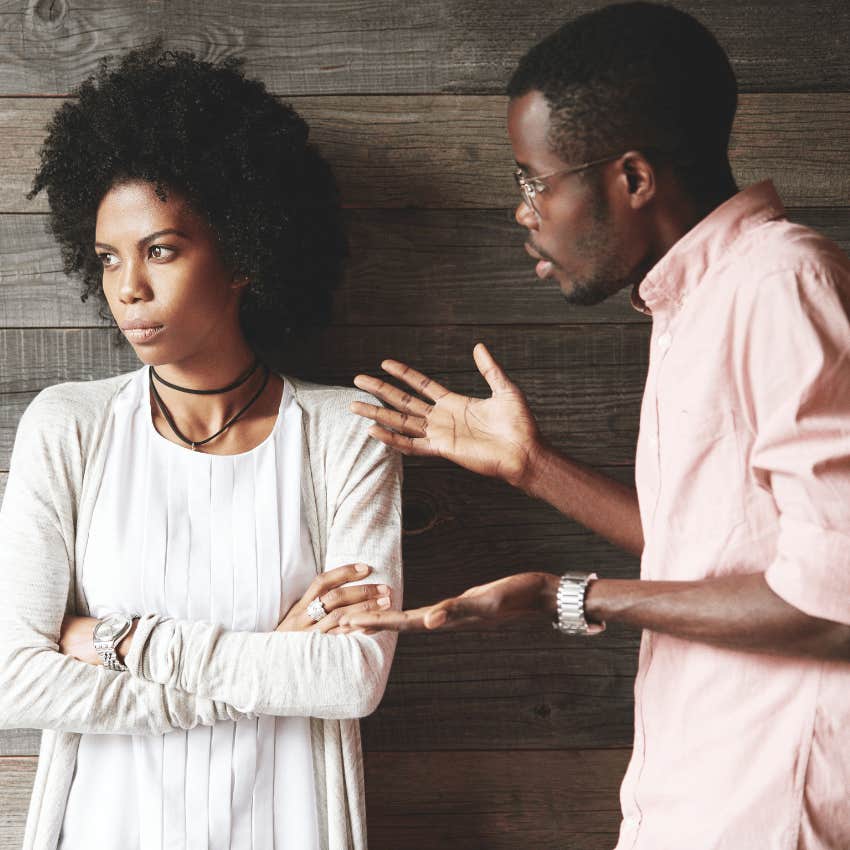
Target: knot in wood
[
  {"x": 50, "y": 12},
  {"x": 420, "y": 512}
]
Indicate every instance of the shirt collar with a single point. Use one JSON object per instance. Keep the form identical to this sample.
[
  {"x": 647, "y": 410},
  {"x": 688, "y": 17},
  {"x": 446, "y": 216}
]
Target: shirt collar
[{"x": 681, "y": 269}]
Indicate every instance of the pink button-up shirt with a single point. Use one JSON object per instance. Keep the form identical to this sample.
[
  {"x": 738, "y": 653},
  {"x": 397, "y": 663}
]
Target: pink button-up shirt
[{"x": 743, "y": 466}]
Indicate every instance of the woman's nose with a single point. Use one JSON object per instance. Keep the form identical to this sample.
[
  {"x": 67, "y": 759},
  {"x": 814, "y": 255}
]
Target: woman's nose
[{"x": 134, "y": 284}]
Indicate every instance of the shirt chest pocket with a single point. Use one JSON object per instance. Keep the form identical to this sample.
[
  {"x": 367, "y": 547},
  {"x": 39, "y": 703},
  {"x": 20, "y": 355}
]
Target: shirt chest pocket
[{"x": 702, "y": 479}]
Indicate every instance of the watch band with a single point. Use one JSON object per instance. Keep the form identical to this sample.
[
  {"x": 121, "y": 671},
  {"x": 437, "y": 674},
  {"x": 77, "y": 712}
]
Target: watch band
[
  {"x": 107, "y": 648},
  {"x": 570, "y": 605}
]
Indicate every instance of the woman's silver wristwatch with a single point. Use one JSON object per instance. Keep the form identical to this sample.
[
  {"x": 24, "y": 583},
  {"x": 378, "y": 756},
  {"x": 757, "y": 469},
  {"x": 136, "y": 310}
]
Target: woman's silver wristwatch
[
  {"x": 570, "y": 605},
  {"x": 107, "y": 634}
]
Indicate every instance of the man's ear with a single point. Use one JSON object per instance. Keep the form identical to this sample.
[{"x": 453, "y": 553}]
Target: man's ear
[{"x": 640, "y": 178}]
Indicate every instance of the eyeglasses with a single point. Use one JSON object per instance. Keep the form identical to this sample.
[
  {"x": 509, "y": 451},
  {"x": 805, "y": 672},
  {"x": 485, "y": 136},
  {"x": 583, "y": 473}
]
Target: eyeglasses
[{"x": 529, "y": 187}]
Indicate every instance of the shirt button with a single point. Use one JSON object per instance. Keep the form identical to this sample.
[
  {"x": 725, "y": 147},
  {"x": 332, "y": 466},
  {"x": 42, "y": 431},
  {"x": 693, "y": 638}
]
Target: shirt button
[{"x": 664, "y": 341}]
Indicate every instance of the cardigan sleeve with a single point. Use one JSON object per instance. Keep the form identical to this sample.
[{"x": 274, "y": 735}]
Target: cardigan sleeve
[
  {"x": 40, "y": 688},
  {"x": 300, "y": 673}
]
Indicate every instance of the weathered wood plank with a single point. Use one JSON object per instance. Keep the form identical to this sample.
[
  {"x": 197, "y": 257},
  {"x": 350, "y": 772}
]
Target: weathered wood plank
[
  {"x": 587, "y": 397},
  {"x": 499, "y": 800},
  {"x": 37, "y": 357},
  {"x": 416, "y": 267},
  {"x": 16, "y": 780},
  {"x": 357, "y": 46},
  {"x": 19, "y": 742},
  {"x": 523, "y": 688},
  {"x": 453, "y": 152},
  {"x": 464, "y": 800},
  {"x": 536, "y": 697},
  {"x": 526, "y": 686}
]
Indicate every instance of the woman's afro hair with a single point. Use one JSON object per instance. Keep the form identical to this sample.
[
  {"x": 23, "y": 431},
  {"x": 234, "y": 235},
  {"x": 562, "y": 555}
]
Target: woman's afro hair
[{"x": 239, "y": 156}]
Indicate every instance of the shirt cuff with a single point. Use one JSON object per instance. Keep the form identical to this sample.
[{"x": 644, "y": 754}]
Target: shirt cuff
[{"x": 811, "y": 570}]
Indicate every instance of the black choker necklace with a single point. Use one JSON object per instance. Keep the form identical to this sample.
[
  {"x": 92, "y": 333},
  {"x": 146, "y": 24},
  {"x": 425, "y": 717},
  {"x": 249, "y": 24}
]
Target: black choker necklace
[
  {"x": 238, "y": 382},
  {"x": 173, "y": 425}
]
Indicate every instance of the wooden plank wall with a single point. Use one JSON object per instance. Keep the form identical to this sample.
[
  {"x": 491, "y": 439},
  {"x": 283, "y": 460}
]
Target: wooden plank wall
[{"x": 483, "y": 740}]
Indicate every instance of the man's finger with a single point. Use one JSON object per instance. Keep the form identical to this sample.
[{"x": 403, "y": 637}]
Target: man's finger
[
  {"x": 402, "y": 422},
  {"x": 400, "y": 399},
  {"x": 416, "y": 380},
  {"x": 490, "y": 370},
  {"x": 393, "y": 621},
  {"x": 405, "y": 445}
]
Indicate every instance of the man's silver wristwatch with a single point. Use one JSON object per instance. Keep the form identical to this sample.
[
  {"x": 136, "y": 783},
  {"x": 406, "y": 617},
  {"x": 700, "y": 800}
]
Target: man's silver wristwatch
[
  {"x": 107, "y": 634},
  {"x": 570, "y": 605}
]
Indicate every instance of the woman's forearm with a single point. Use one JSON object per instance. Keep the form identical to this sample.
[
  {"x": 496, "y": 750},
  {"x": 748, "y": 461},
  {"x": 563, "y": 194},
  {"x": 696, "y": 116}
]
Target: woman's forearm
[{"x": 302, "y": 673}]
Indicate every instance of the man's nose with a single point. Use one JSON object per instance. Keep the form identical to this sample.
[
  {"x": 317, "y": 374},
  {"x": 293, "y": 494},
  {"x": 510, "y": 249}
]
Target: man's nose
[{"x": 526, "y": 216}]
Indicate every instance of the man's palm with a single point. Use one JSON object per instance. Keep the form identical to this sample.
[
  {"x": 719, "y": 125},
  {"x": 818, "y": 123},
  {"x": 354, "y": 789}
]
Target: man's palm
[{"x": 491, "y": 436}]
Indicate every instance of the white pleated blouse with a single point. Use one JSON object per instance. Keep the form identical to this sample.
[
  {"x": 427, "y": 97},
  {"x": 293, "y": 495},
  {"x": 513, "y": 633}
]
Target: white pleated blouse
[{"x": 220, "y": 538}]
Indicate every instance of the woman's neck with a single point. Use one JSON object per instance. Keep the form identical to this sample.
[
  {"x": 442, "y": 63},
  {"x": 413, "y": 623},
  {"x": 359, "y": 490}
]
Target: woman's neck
[{"x": 199, "y": 415}]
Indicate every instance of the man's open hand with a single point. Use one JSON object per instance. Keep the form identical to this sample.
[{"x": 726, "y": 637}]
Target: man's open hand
[
  {"x": 482, "y": 607},
  {"x": 494, "y": 436}
]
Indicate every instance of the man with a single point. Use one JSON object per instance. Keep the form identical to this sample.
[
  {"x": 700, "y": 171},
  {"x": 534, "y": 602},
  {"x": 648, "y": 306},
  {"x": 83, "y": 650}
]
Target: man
[{"x": 620, "y": 124}]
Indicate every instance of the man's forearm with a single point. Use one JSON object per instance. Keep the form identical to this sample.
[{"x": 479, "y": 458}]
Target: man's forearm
[
  {"x": 596, "y": 501},
  {"x": 738, "y": 612}
]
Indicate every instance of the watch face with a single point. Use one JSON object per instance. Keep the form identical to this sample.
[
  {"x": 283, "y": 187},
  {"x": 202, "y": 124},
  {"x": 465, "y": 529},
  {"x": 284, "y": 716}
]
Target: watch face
[{"x": 109, "y": 627}]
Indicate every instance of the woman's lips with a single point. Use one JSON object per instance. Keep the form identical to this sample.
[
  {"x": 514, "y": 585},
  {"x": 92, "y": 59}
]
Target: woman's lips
[{"x": 142, "y": 334}]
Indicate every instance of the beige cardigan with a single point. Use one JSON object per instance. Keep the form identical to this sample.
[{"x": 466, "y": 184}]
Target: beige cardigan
[{"x": 184, "y": 673}]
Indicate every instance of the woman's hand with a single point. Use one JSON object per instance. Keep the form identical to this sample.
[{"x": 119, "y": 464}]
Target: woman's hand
[
  {"x": 76, "y": 640},
  {"x": 494, "y": 436},
  {"x": 337, "y": 600}
]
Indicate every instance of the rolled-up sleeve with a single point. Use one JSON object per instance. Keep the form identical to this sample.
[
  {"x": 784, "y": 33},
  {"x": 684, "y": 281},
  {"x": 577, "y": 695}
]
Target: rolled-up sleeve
[{"x": 798, "y": 357}]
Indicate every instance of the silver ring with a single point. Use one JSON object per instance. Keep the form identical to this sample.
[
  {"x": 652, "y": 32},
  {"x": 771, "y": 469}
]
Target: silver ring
[{"x": 315, "y": 610}]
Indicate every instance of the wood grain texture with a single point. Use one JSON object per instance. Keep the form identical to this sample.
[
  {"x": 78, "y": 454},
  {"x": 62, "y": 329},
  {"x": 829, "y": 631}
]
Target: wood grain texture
[
  {"x": 16, "y": 779},
  {"x": 452, "y": 151},
  {"x": 357, "y": 46},
  {"x": 19, "y": 742},
  {"x": 408, "y": 267},
  {"x": 526, "y": 688},
  {"x": 584, "y": 383},
  {"x": 497, "y": 801}
]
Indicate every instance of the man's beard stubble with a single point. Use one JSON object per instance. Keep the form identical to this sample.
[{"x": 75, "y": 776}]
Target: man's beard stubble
[{"x": 610, "y": 272}]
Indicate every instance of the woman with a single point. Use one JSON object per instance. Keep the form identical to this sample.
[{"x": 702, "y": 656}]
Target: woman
[{"x": 211, "y": 517}]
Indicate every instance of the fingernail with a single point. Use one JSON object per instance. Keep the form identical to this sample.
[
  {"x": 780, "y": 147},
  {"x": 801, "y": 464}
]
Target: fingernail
[
  {"x": 362, "y": 568},
  {"x": 383, "y": 590},
  {"x": 384, "y": 602}
]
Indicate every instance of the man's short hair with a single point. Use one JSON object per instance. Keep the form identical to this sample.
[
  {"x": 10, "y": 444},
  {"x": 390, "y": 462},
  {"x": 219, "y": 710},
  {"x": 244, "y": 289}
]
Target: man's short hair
[{"x": 641, "y": 76}]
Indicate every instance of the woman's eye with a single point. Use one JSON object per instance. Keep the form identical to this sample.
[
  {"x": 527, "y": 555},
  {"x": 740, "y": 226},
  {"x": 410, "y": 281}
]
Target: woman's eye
[
  {"x": 160, "y": 248},
  {"x": 103, "y": 257}
]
